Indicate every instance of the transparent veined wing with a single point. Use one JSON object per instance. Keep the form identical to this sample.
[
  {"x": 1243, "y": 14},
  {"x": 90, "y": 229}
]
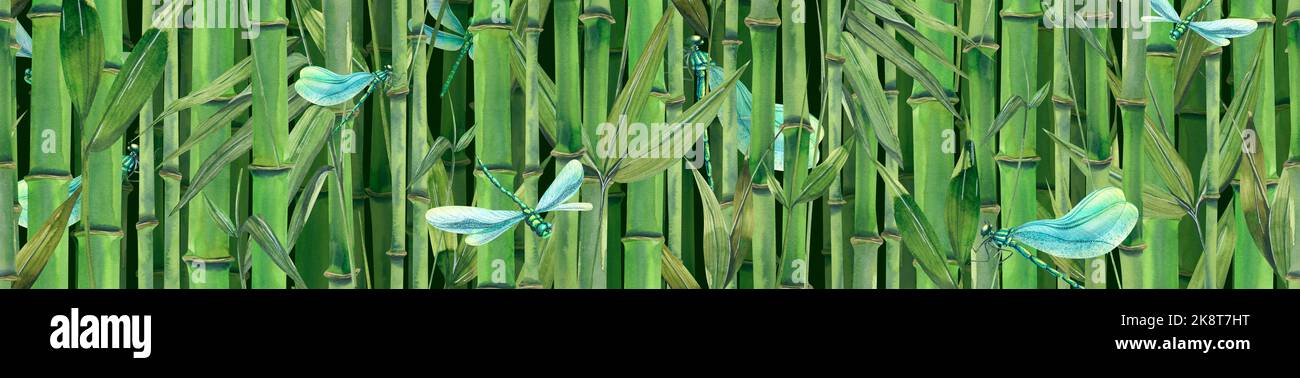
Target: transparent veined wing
[
  {"x": 573, "y": 206},
  {"x": 1094, "y": 227},
  {"x": 24, "y": 42},
  {"x": 445, "y": 41},
  {"x": 487, "y": 235},
  {"x": 1165, "y": 12},
  {"x": 22, "y": 202},
  {"x": 323, "y": 87},
  {"x": 565, "y": 186},
  {"x": 1218, "y": 31},
  {"x": 449, "y": 20},
  {"x": 470, "y": 220}
]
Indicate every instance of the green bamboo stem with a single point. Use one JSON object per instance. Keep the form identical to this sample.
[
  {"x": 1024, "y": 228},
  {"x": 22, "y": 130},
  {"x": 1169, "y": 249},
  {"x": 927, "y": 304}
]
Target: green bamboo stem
[
  {"x": 1098, "y": 138},
  {"x": 596, "y": 19},
  {"x": 569, "y": 127},
  {"x": 1213, "y": 90},
  {"x": 208, "y": 255},
  {"x": 1063, "y": 113},
  {"x": 842, "y": 275},
  {"x": 897, "y": 266},
  {"x": 763, "y": 22},
  {"x": 397, "y": 95},
  {"x": 981, "y": 101},
  {"x": 644, "y": 240},
  {"x": 530, "y": 275},
  {"x": 865, "y": 241},
  {"x": 170, "y": 170},
  {"x": 1132, "y": 104},
  {"x": 8, "y": 149},
  {"x": 48, "y": 174},
  {"x": 419, "y": 196},
  {"x": 933, "y": 136},
  {"x": 1161, "y": 257},
  {"x": 269, "y": 168},
  {"x": 673, "y": 105},
  {"x": 796, "y": 127},
  {"x": 492, "y": 110},
  {"x": 379, "y": 189},
  {"x": 338, "y": 58},
  {"x": 1250, "y": 270},
  {"x": 726, "y": 165},
  {"x": 1292, "y": 30},
  {"x": 104, "y": 202}
]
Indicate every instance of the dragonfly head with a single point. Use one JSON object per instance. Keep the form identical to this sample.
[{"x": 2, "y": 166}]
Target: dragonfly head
[
  {"x": 697, "y": 41},
  {"x": 543, "y": 230},
  {"x": 386, "y": 73},
  {"x": 986, "y": 230}
]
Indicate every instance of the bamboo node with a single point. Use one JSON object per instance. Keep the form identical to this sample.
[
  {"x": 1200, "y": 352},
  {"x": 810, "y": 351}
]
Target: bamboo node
[
  {"x": 1266, "y": 21},
  {"x": 650, "y": 236},
  {"x": 1094, "y": 16},
  {"x": 38, "y": 12},
  {"x": 6, "y": 18},
  {"x": 801, "y": 125},
  {"x": 396, "y": 253},
  {"x": 280, "y": 23},
  {"x": 192, "y": 260},
  {"x": 8, "y": 164},
  {"x": 486, "y": 26},
  {"x": 674, "y": 101},
  {"x": 170, "y": 173},
  {"x": 836, "y": 203},
  {"x": 891, "y": 235},
  {"x": 1215, "y": 51},
  {"x": 1099, "y": 164},
  {"x": 1063, "y": 102},
  {"x": 1017, "y": 160},
  {"x": 9, "y": 278},
  {"x": 417, "y": 197},
  {"x": 1290, "y": 163},
  {"x": 1133, "y": 248},
  {"x": 868, "y": 240},
  {"x": 146, "y": 223},
  {"x": 373, "y": 194},
  {"x": 757, "y": 23},
  {"x": 1021, "y": 16},
  {"x": 49, "y": 177},
  {"x": 556, "y": 153},
  {"x": 399, "y": 93},
  {"x": 991, "y": 208},
  {"x": 337, "y": 276},
  {"x": 597, "y": 14},
  {"x": 732, "y": 42},
  {"x": 834, "y": 58},
  {"x": 1291, "y": 18},
  {"x": 1131, "y": 103}
]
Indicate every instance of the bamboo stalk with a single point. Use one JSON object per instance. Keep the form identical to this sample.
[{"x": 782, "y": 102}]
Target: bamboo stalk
[
  {"x": 397, "y": 131},
  {"x": 212, "y": 55},
  {"x": 981, "y": 101},
  {"x": 270, "y": 137},
  {"x": 492, "y": 110},
  {"x": 379, "y": 190},
  {"x": 763, "y": 22},
  {"x": 1132, "y": 104},
  {"x": 866, "y": 241},
  {"x": 673, "y": 105},
  {"x": 569, "y": 127},
  {"x": 8, "y": 149},
  {"x": 841, "y": 274},
  {"x": 596, "y": 19},
  {"x": 170, "y": 170},
  {"x": 48, "y": 174},
  {"x": 1063, "y": 111},
  {"x": 1250, "y": 270},
  {"x": 897, "y": 264},
  {"x": 933, "y": 136},
  {"x": 1097, "y": 136},
  {"x": 419, "y": 194},
  {"x": 530, "y": 275},
  {"x": 644, "y": 240},
  {"x": 338, "y": 58},
  {"x": 1161, "y": 257},
  {"x": 726, "y": 162},
  {"x": 797, "y": 130},
  {"x": 1213, "y": 80},
  {"x": 1292, "y": 30}
]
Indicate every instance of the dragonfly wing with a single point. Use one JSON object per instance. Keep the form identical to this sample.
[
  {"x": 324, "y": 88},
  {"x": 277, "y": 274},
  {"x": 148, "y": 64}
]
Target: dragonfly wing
[
  {"x": 483, "y": 237},
  {"x": 24, "y": 42},
  {"x": 323, "y": 87},
  {"x": 566, "y": 185},
  {"x": 22, "y": 203},
  {"x": 575, "y": 206},
  {"x": 1218, "y": 31},
  {"x": 470, "y": 220},
  {"x": 1094, "y": 227},
  {"x": 1164, "y": 11},
  {"x": 446, "y": 41},
  {"x": 449, "y": 19}
]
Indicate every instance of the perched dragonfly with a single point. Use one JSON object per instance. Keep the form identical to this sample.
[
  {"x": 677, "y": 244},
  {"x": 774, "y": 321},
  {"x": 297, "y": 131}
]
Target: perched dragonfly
[
  {"x": 1217, "y": 31},
  {"x": 455, "y": 39},
  {"x": 323, "y": 87},
  {"x": 1093, "y": 228},
  {"x": 702, "y": 66},
  {"x": 483, "y": 225},
  {"x": 130, "y": 162}
]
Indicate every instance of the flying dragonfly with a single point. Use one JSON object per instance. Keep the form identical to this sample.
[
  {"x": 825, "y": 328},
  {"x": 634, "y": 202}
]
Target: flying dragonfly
[
  {"x": 130, "y": 163},
  {"x": 1217, "y": 31},
  {"x": 455, "y": 39},
  {"x": 702, "y": 66},
  {"x": 1093, "y": 228},
  {"x": 323, "y": 87},
  {"x": 483, "y": 225}
]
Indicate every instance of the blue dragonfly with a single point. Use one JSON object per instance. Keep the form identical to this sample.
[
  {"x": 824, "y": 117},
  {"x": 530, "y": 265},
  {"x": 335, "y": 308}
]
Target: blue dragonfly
[
  {"x": 1217, "y": 31},
  {"x": 323, "y": 87},
  {"x": 1093, "y": 228},
  {"x": 483, "y": 225},
  {"x": 454, "y": 39},
  {"x": 702, "y": 66},
  {"x": 130, "y": 162}
]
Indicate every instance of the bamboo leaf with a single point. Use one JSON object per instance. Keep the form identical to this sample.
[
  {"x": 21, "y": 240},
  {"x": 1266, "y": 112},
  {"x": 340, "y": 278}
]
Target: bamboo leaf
[
  {"x": 34, "y": 255},
  {"x": 131, "y": 89},
  {"x": 317, "y": 122},
  {"x": 926, "y": 246},
  {"x": 431, "y": 158},
  {"x": 1254, "y": 202},
  {"x": 778, "y": 192},
  {"x": 695, "y": 14},
  {"x": 821, "y": 177},
  {"x": 877, "y": 39},
  {"x": 306, "y": 202},
  {"x": 717, "y": 248},
  {"x": 465, "y": 139},
  {"x": 1227, "y": 240},
  {"x": 962, "y": 212},
  {"x": 674, "y": 271},
  {"x": 239, "y": 73},
  {"x": 238, "y": 144},
  {"x": 219, "y": 120},
  {"x": 863, "y": 79},
  {"x": 219, "y": 217},
  {"x": 262, "y": 234},
  {"x": 81, "y": 44},
  {"x": 908, "y": 32},
  {"x": 637, "y": 90},
  {"x": 1169, "y": 165},
  {"x": 1009, "y": 109}
]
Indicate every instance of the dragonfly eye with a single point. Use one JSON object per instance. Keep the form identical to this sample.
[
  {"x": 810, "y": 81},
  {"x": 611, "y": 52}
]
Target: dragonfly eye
[{"x": 985, "y": 230}]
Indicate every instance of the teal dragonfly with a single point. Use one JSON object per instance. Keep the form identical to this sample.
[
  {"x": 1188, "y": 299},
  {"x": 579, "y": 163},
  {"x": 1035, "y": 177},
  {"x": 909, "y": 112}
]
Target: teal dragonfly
[
  {"x": 1217, "y": 32},
  {"x": 1095, "y": 226},
  {"x": 455, "y": 38},
  {"x": 323, "y": 87},
  {"x": 484, "y": 225}
]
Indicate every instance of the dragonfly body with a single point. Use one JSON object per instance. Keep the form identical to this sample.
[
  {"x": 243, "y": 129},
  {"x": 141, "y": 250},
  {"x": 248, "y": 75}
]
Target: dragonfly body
[
  {"x": 130, "y": 162},
  {"x": 1095, "y": 226},
  {"x": 484, "y": 225},
  {"x": 455, "y": 39},
  {"x": 700, "y": 62},
  {"x": 1217, "y": 32},
  {"x": 323, "y": 87}
]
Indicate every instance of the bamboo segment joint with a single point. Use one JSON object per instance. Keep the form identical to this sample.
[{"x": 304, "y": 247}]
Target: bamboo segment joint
[
  {"x": 1020, "y": 16},
  {"x": 489, "y": 26},
  {"x": 272, "y": 24},
  {"x": 762, "y": 23},
  {"x": 594, "y": 13},
  {"x": 1131, "y": 103},
  {"x": 868, "y": 240},
  {"x": 1133, "y": 249},
  {"x": 203, "y": 261}
]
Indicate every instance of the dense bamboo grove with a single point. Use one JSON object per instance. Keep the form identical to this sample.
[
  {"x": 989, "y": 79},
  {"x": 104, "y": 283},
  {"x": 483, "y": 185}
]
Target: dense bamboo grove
[{"x": 870, "y": 143}]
